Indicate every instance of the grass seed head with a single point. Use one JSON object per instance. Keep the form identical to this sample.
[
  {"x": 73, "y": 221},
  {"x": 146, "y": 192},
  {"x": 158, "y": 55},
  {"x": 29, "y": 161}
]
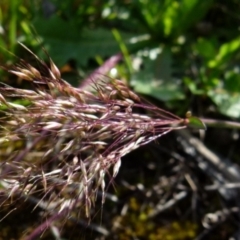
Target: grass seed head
[{"x": 66, "y": 139}]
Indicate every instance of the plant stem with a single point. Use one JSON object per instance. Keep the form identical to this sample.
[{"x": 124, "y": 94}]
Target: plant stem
[{"x": 221, "y": 123}]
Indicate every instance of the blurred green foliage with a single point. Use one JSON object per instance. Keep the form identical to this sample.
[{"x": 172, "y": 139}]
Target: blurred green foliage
[{"x": 185, "y": 49}]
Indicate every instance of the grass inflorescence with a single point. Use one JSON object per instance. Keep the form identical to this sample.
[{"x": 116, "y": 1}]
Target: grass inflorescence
[{"x": 59, "y": 147}]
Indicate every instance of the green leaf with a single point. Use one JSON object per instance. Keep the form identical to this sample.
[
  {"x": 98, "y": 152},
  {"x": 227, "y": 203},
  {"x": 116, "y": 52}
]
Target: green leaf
[
  {"x": 225, "y": 53},
  {"x": 192, "y": 86},
  {"x": 227, "y": 103},
  {"x": 195, "y": 122},
  {"x": 155, "y": 79},
  {"x": 170, "y": 16},
  {"x": 232, "y": 81},
  {"x": 205, "y": 48},
  {"x": 65, "y": 41}
]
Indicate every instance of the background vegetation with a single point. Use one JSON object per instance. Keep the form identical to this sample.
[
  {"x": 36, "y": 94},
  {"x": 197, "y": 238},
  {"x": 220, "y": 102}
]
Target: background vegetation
[{"x": 181, "y": 55}]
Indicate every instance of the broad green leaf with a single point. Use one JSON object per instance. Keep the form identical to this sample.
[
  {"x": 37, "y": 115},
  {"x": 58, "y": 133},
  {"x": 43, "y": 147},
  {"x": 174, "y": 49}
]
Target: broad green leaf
[
  {"x": 227, "y": 103},
  {"x": 156, "y": 78},
  {"x": 65, "y": 41}
]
